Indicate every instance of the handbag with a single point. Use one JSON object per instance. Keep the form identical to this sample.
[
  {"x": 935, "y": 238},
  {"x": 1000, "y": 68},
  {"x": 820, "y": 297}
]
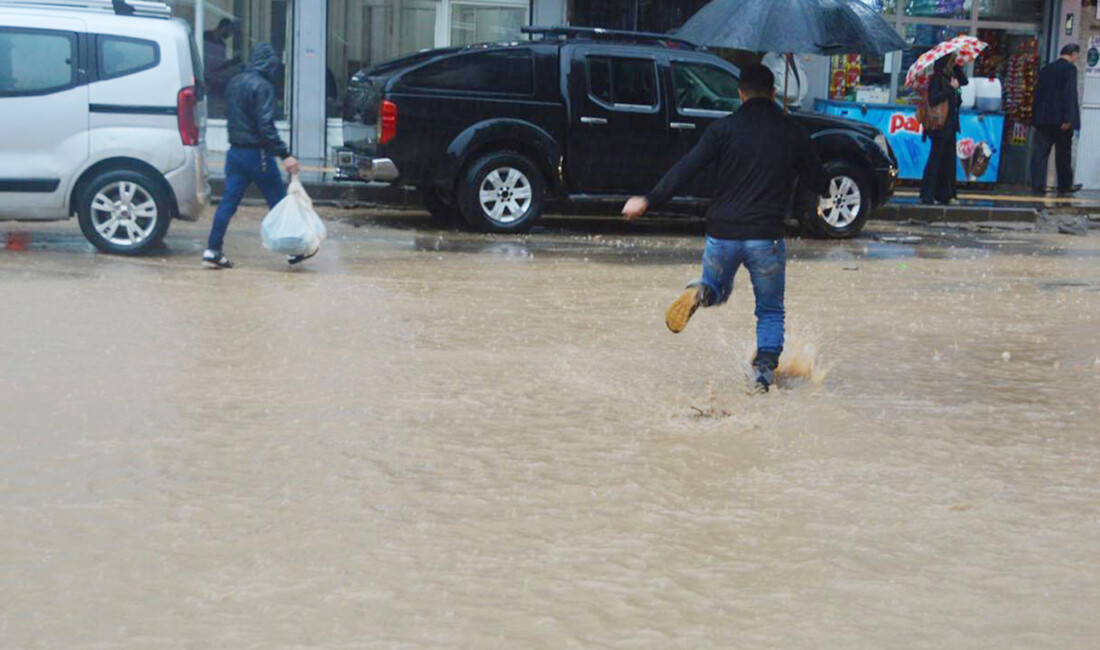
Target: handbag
[{"x": 932, "y": 118}]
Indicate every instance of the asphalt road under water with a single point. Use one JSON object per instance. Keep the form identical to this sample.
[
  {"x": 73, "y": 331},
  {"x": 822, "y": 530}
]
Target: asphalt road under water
[{"x": 444, "y": 440}]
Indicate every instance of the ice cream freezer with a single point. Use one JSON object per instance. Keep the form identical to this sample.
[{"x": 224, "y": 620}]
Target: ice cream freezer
[{"x": 979, "y": 143}]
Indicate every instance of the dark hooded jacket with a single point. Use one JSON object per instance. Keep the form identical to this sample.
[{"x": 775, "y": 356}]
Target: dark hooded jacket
[{"x": 250, "y": 104}]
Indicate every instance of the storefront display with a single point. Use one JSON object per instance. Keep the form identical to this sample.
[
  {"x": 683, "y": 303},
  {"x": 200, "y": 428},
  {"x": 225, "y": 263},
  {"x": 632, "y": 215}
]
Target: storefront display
[
  {"x": 979, "y": 147},
  {"x": 997, "y": 103}
]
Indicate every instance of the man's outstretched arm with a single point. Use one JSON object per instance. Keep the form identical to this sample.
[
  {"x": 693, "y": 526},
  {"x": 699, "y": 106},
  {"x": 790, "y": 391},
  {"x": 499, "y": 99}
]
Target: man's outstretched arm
[{"x": 704, "y": 152}]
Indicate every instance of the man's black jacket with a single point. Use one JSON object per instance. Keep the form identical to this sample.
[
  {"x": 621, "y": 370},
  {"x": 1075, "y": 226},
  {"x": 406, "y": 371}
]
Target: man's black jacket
[
  {"x": 1056, "y": 96},
  {"x": 758, "y": 153},
  {"x": 250, "y": 104}
]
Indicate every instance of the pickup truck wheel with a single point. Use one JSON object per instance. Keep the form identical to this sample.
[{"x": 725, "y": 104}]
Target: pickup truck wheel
[
  {"x": 123, "y": 211},
  {"x": 842, "y": 212},
  {"x": 444, "y": 213},
  {"x": 502, "y": 192}
]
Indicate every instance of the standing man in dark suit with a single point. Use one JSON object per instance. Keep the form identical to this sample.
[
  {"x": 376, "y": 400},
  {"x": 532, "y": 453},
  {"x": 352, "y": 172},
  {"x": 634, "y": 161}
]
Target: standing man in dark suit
[{"x": 1056, "y": 115}]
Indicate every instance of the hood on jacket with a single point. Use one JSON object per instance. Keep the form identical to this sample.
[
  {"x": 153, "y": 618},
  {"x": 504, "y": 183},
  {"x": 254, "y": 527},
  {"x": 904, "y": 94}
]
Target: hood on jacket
[{"x": 264, "y": 60}]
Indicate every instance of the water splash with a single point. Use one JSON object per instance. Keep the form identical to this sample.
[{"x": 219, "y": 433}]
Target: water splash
[{"x": 801, "y": 365}]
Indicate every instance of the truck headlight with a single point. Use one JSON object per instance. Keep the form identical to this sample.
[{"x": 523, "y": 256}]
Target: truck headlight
[{"x": 883, "y": 146}]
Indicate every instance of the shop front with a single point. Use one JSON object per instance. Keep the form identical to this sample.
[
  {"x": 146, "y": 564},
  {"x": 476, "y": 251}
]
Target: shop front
[
  {"x": 996, "y": 115},
  {"x": 322, "y": 43}
]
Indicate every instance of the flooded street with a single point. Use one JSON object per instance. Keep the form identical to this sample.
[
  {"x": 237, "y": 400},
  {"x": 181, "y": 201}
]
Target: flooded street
[{"x": 427, "y": 439}]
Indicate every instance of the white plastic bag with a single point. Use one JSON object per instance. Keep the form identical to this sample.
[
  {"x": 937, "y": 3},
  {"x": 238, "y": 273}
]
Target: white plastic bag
[{"x": 292, "y": 227}]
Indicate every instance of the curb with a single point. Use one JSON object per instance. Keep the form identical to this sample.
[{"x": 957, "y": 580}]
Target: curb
[{"x": 954, "y": 213}]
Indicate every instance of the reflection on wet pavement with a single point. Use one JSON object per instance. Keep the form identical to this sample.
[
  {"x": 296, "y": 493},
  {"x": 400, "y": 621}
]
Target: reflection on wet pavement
[{"x": 447, "y": 440}]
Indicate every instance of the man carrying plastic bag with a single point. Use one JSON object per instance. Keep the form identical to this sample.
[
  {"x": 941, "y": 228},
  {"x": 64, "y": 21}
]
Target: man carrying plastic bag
[
  {"x": 254, "y": 143},
  {"x": 292, "y": 227}
]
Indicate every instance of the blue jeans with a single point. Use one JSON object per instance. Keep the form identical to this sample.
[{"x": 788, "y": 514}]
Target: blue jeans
[
  {"x": 766, "y": 260},
  {"x": 244, "y": 166}
]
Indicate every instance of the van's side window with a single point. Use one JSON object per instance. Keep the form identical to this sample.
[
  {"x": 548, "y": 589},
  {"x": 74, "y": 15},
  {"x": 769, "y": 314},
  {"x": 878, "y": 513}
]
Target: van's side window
[
  {"x": 36, "y": 62},
  {"x": 501, "y": 71},
  {"x": 630, "y": 83},
  {"x": 120, "y": 56}
]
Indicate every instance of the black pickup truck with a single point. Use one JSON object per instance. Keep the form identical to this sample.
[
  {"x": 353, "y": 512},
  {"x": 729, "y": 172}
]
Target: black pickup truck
[{"x": 486, "y": 132}]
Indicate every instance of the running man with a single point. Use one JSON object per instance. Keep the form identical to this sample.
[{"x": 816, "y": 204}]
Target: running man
[{"x": 758, "y": 153}]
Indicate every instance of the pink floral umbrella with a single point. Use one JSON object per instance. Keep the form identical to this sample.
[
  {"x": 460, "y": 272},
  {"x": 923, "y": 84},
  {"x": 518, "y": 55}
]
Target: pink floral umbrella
[{"x": 965, "y": 48}]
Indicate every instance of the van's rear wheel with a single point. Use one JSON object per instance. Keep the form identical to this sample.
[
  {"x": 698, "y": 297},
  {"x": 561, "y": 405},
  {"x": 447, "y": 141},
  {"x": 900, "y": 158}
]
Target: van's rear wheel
[
  {"x": 842, "y": 212},
  {"x": 123, "y": 211},
  {"x": 502, "y": 192}
]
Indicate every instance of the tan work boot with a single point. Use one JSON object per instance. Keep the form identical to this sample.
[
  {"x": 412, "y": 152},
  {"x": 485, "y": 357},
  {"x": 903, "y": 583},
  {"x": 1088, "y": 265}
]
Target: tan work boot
[{"x": 679, "y": 312}]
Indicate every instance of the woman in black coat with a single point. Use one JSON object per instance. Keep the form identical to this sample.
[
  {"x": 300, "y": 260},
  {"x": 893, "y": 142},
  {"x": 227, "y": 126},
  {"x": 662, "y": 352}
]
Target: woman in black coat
[{"x": 938, "y": 184}]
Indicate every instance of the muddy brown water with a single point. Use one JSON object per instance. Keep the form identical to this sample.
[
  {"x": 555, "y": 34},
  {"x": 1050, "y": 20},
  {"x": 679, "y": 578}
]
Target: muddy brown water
[{"x": 439, "y": 440}]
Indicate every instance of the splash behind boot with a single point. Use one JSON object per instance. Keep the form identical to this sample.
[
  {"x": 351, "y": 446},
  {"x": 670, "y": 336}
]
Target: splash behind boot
[{"x": 764, "y": 366}]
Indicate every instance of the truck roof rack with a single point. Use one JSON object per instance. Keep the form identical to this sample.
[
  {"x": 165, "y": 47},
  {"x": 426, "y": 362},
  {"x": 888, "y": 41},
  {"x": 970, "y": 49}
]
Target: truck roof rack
[
  {"x": 598, "y": 33},
  {"x": 143, "y": 8}
]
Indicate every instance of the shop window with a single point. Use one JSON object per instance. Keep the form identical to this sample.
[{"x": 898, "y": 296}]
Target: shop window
[
  {"x": 1021, "y": 11},
  {"x": 365, "y": 33},
  {"x": 472, "y": 23},
  {"x": 623, "y": 82},
  {"x": 231, "y": 29},
  {"x": 857, "y": 78},
  {"x": 704, "y": 87},
  {"x": 938, "y": 8},
  {"x": 920, "y": 39},
  {"x": 609, "y": 14},
  {"x": 500, "y": 71},
  {"x": 34, "y": 62},
  {"x": 662, "y": 16},
  {"x": 884, "y": 7},
  {"x": 122, "y": 56}
]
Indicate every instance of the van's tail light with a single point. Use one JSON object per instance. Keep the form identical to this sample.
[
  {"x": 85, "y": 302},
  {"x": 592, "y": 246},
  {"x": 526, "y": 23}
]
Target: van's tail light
[
  {"x": 388, "y": 118},
  {"x": 187, "y": 106}
]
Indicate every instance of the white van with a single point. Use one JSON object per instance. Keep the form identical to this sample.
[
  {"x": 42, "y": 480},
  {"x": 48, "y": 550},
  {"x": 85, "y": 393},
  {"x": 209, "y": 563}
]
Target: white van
[{"x": 102, "y": 111}]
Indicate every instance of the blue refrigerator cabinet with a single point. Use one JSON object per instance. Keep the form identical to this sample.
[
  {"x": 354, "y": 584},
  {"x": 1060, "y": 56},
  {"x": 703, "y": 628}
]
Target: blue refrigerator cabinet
[{"x": 978, "y": 154}]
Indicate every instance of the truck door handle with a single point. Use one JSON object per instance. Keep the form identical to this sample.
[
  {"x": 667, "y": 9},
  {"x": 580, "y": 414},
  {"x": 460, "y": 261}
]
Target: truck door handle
[
  {"x": 683, "y": 126},
  {"x": 593, "y": 120}
]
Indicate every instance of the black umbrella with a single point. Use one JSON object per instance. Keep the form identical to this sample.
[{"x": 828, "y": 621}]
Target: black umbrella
[{"x": 798, "y": 26}]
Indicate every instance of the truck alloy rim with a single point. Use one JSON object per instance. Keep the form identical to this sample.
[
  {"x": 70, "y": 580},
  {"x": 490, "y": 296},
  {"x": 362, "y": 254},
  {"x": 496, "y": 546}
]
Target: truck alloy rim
[
  {"x": 124, "y": 213},
  {"x": 843, "y": 204},
  {"x": 505, "y": 195}
]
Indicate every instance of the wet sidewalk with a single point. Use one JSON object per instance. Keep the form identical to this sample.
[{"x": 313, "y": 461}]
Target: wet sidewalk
[{"x": 1007, "y": 204}]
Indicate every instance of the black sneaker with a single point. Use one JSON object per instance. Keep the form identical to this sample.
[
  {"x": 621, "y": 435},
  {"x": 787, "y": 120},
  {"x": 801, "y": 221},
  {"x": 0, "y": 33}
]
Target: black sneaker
[
  {"x": 1073, "y": 190},
  {"x": 295, "y": 259},
  {"x": 764, "y": 366},
  {"x": 215, "y": 260}
]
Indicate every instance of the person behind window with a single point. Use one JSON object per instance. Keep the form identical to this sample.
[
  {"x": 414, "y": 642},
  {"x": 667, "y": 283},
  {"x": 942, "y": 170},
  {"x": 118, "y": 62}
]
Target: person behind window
[
  {"x": 219, "y": 67},
  {"x": 938, "y": 183},
  {"x": 1056, "y": 114}
]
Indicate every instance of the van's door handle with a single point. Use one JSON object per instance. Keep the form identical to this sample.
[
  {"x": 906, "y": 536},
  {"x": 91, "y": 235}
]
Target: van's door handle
[
  {"x": 593, "y": 120},
  {"x": 683, "y": 126}
]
